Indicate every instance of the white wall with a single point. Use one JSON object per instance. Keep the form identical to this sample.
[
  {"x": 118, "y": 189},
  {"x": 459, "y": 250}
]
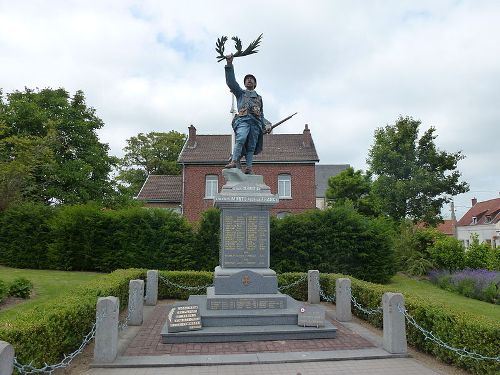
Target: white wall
[{"x": 485, "y": 232}]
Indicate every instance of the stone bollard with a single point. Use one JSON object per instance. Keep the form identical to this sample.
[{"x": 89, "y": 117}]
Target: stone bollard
[
  {"x": 313, "y": 286},
  {"x": 394, "y": 340},
  {"x": 6, "y": 358},
  {"x": 106, "y": 334},
  {"x": 152, "y": 288},
  {"x": 343, "y": 299},
  {"x": 135, "y": 302}
]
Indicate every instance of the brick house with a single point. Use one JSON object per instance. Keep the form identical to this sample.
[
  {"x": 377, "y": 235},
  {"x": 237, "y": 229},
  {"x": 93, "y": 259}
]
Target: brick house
[
  {"x": 162, "y": 191},
  {"x": 483, "y": 219}
]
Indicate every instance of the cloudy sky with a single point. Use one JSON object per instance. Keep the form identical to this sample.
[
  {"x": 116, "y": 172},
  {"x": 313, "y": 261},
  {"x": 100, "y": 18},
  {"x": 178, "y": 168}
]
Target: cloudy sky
[{"x": 346, "y": 67}]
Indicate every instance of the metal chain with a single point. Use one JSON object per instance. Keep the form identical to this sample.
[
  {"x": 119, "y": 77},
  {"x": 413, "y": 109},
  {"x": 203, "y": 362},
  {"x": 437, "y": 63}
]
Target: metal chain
[
  {"x": 49, "y": 369},
  {"x": 302, "y": 278},
  {"x": 378, "y": 310},
  {"x": 430, "y": 336},
  {"x": 323, "y": 295},
  {"x": 185, "y": 287}
]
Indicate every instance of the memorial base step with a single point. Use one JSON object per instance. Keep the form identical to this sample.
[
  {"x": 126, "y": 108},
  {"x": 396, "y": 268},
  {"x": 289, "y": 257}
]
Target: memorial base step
[
  {"x": 250, "y": 333},
  {"x": 245, "y": 301}
]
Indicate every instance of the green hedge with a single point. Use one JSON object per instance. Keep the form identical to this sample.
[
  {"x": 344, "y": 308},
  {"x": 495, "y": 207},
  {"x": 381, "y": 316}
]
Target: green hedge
[
  {"x": 48, "y": 331},
  {"x": 458, "y": 329},
  {"x": 334, "y": 240}
]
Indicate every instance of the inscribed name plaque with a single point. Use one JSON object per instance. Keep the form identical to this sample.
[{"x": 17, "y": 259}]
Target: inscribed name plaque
[
  {"x": 245, "y": 239},
  {"x": 311, "y": 316},
  {"x": 184, "y": 318}
]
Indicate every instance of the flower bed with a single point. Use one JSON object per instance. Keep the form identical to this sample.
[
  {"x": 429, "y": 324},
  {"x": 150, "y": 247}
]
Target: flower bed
[{"x": 479, "y": 284}]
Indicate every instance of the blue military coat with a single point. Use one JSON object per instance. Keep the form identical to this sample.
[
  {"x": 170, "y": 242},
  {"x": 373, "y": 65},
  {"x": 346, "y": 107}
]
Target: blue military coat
[{"x": 249, "y": 103}]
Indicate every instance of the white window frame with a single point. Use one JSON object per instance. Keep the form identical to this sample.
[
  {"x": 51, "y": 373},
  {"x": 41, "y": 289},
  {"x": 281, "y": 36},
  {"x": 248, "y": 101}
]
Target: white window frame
[
  {"x": 285, "y": 186},
  {"x": 211, "y": 186}
]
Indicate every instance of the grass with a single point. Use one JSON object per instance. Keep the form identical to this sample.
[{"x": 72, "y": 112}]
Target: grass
[
  {"x": 456, "y": 302},
  {"x": 46, "y": 284}
]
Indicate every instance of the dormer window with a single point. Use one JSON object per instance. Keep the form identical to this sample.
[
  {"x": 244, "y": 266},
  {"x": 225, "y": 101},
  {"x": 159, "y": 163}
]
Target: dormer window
[
  {"x": 474, "y": 220},
  {"x": 488, "y": 218}
]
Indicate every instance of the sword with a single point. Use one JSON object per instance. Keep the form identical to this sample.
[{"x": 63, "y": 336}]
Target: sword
[{"x": 282, "y": 121}]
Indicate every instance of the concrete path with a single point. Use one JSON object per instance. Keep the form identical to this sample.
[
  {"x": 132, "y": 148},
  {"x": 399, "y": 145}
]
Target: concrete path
[{"x": 389, "y": 366}]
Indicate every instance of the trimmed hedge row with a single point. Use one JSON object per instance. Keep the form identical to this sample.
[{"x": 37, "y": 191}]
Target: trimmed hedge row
[
  {"x": 458, "y": 329},
  {"x": 48, "y": 331}
]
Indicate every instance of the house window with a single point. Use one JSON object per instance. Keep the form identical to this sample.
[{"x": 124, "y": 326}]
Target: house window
[
  {"x": 211, "y": 185},
  {"x": 474, "y": 220},
  {"x": 282, "y": 214},
  {"x": 285, "y": 186}
]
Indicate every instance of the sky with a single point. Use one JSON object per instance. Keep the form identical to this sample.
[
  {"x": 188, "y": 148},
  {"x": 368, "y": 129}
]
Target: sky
[{"x": 346, "y": 67}]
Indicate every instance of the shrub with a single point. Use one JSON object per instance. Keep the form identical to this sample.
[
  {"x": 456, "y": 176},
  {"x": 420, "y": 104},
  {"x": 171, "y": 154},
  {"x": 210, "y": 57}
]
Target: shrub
[
  {"x": 411, "y": 248},
  {"x": 337, "y": 239},
  {"x": 448, "y": 253},
  {"x": 4, "y": 290},
  {"x": 478, "y": 284},
  {"x": 25, "y": 234},
  {"x": 46, "y": 333},
  {"x": 479, "y": 255},
  {"x": 20, "y": 287},
  {"x": 89, "y": 238},
  {"x": 206, "y": 240}
]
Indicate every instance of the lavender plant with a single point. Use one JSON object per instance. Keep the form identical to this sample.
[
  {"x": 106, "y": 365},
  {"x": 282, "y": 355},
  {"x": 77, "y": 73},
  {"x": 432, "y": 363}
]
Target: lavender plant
[{"x": 479, "y": 283}]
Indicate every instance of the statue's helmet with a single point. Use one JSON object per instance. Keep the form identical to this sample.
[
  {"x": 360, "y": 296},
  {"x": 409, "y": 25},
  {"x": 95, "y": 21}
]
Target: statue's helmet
[{"x": 252, "y": 76}]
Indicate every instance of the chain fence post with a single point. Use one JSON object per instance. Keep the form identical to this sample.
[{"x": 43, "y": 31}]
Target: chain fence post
[
  {"x": 106, "y": 335},
  {"x": 135, "y": 302},
  {"x": 6, "y": 358},
  {"x": 151, "y": 288},
  {"x": 313, "y": 287},
  {"x": 394, "y": 336},
  {"x": 343, "y": 299}
]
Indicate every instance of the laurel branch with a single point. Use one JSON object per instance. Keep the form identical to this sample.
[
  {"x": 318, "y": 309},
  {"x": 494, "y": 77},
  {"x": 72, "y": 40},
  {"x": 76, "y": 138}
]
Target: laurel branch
[{"x": 251, "y": 49}]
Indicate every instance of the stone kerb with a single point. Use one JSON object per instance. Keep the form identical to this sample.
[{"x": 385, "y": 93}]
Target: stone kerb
[
  {"x": 6, "y": 358},
  {"x": 135, "y": 302},
  {"x": 152, "y": 288},
  {"x": 343, "y": 299},
  {"x": 106, "y": 335},
  {"x": 394, "y": 336},
  {"x": 313, "y": 287}
]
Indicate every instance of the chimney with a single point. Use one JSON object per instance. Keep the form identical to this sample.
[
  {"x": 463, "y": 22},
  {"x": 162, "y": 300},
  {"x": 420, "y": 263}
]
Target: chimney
[
  {"x": 307, "y": 140},
  {"x": 192, "y": 137},
  {"x": 474, "y": 201}
]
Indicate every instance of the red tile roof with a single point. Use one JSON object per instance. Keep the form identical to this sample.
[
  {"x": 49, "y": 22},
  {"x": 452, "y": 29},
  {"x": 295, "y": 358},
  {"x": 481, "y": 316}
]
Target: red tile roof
[
  {"x": 448, "y": 227},
  {"x": 216, "y": 149},
  {"x": 161, "y": 188},
  {"x": 487, "y": 212}
]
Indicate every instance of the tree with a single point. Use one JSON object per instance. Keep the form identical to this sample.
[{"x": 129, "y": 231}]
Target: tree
[
  {"x": 49, "y": 147},
  {"x": 152, "y": 153},
  {"x": 352, "y": 186},
  {"x": 413, "y": 178},
  {"x": 448, "y": 253}
]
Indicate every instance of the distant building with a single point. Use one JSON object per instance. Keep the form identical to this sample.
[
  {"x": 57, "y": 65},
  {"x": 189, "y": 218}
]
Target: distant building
[
  {"x": 323, "y": 173},
  {"x": 483, "y": 219},
  {"x": 162, "y": 191},
  {"x": 287, "y": 163}
]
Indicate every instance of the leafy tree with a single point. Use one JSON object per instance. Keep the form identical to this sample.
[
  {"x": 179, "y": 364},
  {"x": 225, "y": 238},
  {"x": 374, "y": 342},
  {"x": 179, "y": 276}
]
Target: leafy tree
[
  {"x": 152, "y": 153},
  {"x": 49, "y": 149},
  {"x": 448, "y": 253},
  {"x": 479, "y": 255},
  {"x": 411, "y": 247},
  {"x": 413, "y": 178},
  {"x": 352, "y": 186}
]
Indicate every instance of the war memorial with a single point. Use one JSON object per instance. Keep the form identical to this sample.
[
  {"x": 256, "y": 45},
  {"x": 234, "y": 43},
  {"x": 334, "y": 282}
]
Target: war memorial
[{"x": 244, "y": 304}]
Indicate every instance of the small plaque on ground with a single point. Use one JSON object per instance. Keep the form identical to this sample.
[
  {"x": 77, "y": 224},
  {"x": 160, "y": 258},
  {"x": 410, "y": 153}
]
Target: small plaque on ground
[
  {"x": 311, "y": 316},
  {"x": 183, "y": 318}
]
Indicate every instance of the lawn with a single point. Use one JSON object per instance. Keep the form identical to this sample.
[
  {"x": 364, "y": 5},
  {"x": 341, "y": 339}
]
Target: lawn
[
  {"x": 453, "y": 301},
  {"x": 47, "y": 285}
]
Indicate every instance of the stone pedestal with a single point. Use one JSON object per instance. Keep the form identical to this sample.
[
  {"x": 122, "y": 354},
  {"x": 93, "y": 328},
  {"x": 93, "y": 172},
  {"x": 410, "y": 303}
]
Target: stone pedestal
[{"x": 244, "y": 303}]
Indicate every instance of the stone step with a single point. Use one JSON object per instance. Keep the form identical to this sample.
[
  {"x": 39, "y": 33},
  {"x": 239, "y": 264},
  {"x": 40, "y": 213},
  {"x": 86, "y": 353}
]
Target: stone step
[{"x": 249, "y": 333}]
